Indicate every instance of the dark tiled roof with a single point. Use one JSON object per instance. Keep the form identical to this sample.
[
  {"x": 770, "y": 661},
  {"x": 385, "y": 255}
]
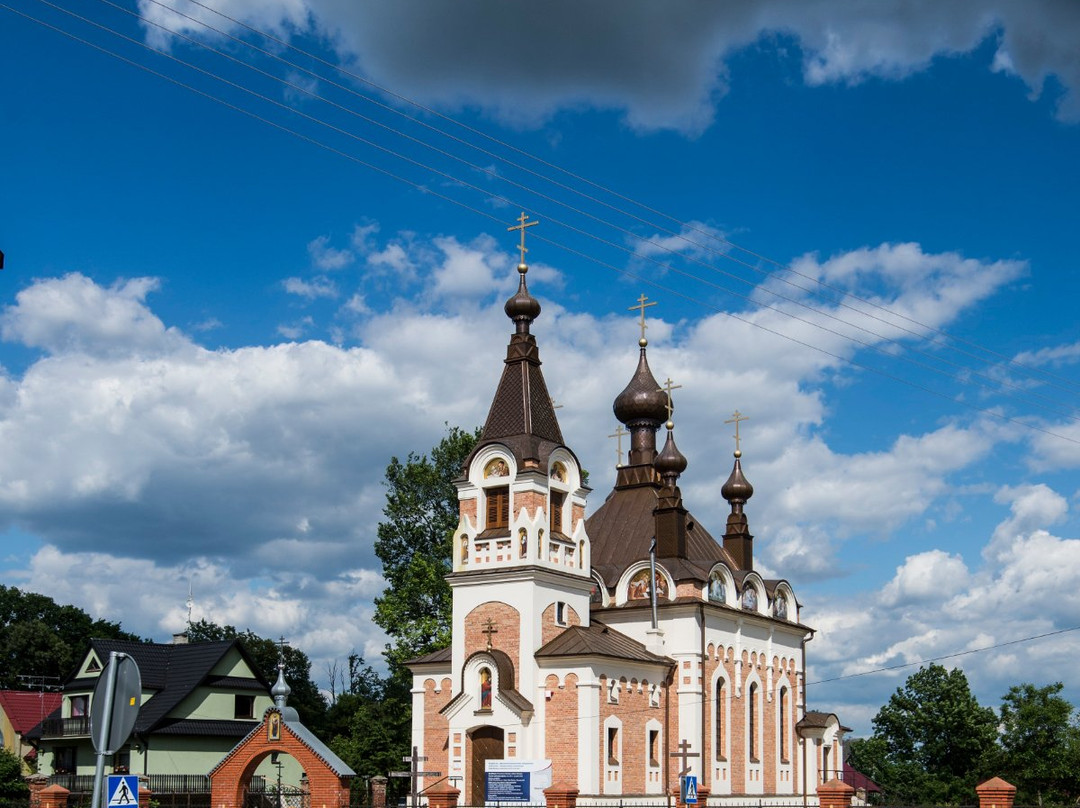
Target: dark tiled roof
[
  {"x": 439, "y": 656},
  {"x": 598, "y": 640},
  {"x": 234, "y": 683},
  {"x": 622, "y": 530},
  {"x": 206, "y": 728},
  {"x": 522, "y": 405},
  {"x": 26, "y": 709}
]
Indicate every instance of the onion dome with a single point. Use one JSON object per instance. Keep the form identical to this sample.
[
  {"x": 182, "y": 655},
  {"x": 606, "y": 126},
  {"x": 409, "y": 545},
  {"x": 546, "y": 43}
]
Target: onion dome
[
  {"x": 642, "y": 399},
  {"x": 737, "y": 489},
  {"x": 670, "y": 463},
  {"x": 522, "y": 308},
  {"x": 281, "y": 690}
]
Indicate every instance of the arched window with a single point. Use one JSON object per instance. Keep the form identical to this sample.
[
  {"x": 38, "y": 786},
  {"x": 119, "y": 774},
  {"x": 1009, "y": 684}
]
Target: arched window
[
  {"x": 718, "y": 715},
  {"x": 752, "y": 721},
  {"x": 485, "y": 688},
  {"x": 782, "y": 709}
]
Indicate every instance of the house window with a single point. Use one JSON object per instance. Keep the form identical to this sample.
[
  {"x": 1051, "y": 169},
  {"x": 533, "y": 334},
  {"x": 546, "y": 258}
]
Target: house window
[
  {"x": 654, "y": 747},
  {"x": 718, "y": 712},
  {"x": 560, "y": 613},
  {"x": 613, "y": 746},
  {"x": 94, "y": 666},
  {"x": 64, "y": 759},
  {"x": 498, "y": 507},
  {"x": 244, "y": 706},
  {"x": 556, "y": 522},
  {"x": 79, "y": 706},
  {"x": 751, "y": 722}
]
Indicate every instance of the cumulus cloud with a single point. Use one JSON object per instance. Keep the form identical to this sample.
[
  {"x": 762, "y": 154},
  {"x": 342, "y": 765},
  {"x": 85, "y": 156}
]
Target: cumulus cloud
[
  {"x": 328, "y": 258},
  {"x": 312, "y": 289},
  {"x": 663, "y": 66}
]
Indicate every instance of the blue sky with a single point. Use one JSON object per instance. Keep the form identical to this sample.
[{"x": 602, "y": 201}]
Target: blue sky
[{"x": 215, "y": 333}]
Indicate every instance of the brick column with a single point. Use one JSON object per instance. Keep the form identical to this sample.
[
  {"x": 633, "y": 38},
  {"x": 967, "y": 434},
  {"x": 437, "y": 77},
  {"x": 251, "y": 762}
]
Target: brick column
[
  {"x": 378, "y": 792},
  {"x": 561, "y": 795},
  {"x": 996, "y": 793},
  {"x": 36, "y": 783},
  {"x": 53, "y": 797},
  {"x": 835, "y": 794},
  {"x": 442, "y": 796},
  {"x": 144, "y": 792}
]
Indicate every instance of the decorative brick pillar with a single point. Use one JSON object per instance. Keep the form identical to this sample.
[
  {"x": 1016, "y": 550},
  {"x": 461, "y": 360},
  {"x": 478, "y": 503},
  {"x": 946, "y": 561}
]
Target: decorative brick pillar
[
  {"x": 378, "y": 791},
  {"x": 144, "y": 792},
  {"x": 53, "y": 797},
  {"x": 442, "y": 796},
  {"x": 36, "y": 783},
  {"x": 561, "y": 795},
  {"x": 996, "y": 793},
  {"x": 835, "y": 794},
  {"x": 702, "y": 798}
]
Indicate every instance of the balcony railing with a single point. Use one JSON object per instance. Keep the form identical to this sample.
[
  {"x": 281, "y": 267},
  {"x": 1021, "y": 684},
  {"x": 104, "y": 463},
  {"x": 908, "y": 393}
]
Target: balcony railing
[{"x": 66, "y": 727}]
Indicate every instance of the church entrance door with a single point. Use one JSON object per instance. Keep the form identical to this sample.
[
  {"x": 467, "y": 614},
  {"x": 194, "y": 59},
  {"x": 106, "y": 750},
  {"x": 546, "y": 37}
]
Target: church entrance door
[{"x": 487, "y": 744}]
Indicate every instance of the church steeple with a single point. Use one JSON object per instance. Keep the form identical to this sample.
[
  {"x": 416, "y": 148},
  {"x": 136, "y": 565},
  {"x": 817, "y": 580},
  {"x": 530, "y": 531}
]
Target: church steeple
[
  {"x": 641, "y": 406},
  {"x": 737, "y": 490}
]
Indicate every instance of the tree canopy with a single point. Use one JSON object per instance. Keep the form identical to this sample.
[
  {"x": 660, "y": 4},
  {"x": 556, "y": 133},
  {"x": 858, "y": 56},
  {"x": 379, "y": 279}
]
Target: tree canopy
[
  {"x": 1040, "y": 744},
  {"x": 414, "y": 544}
]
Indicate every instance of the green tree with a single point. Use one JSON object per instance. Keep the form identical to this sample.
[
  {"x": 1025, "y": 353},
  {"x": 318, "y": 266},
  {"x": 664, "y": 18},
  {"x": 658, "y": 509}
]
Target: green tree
[
  {"x": 39, "y": 637},
  {"x": 11, "y": 779},
  {"x": 932, "y": 741},
  {"x": 414, "y": 545},
  {"x": 1040, "y": 744},
  {"x": 305, "y": 697}
]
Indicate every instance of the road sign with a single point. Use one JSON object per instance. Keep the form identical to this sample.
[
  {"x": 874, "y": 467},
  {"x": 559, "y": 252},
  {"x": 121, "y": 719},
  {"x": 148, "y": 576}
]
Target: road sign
[
  {"x": 123, "y": 791},
  {"x": 689, "y": 789},
  {"x": 115, "y": 704}
]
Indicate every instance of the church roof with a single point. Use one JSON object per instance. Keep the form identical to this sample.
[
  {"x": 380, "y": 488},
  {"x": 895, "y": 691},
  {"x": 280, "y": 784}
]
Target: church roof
[
  {"x": 622, "y": 530},
  {"x": 442, "y": 655},
  {"x": 598, "y": 640}
]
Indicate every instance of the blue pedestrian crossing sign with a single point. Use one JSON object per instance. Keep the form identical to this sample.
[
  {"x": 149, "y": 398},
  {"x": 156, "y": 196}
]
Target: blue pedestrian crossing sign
[
  {"x": 689, "y": 789},
  {"x": 123, "y": 791}
]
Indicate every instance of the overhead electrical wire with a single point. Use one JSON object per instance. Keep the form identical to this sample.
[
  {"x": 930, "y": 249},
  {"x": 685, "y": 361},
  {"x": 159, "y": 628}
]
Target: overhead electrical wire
[{"x": 488, "y": 194}]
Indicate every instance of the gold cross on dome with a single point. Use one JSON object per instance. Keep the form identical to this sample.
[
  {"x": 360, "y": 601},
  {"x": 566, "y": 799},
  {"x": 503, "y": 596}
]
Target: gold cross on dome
[
  {"x": 738, "y": 416},
  {"x": 522, "y": 224},
  {"x": 489, "y": 629},
  {"x": 667, "y": 388},
  {"x": 618, "y": 435},
  {"x": 642, "y": 305}
]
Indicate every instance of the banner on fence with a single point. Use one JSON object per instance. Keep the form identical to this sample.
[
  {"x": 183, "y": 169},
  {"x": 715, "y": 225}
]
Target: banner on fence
[{"x": 516, "y": 780}]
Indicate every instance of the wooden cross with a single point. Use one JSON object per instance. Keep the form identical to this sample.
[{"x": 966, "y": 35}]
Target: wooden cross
[
  {"x": 618, "y": 435},
  {"x": 489, "y": 629},
  {"x": 522, "y": 224},
  {"x": 642, "y": 305},
  {"x": 667, "y": 388},
  {"x": 684, "y": 753},
  {"x": 415, "y": 774},
  {"x": 738, "y": 416}
]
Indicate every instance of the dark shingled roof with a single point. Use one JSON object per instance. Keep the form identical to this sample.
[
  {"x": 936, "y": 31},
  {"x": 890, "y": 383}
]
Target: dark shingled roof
[
  {"x": 622, "y": 529},
  {"x": 599, "y": 640},
  {"x": 442, "y": 655},
  {"x": 220, "y": 728}
]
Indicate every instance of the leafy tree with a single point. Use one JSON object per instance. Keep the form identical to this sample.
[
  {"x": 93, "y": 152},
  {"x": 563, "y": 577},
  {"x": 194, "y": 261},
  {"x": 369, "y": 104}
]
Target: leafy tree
[
  {"x": 305, "y": 697},
  {"x": 414, "y": 545},
  {"x": 932, "y": 741},
  {"x": 39, "y": 637},
  {"x": 11, "y": 779},
  {"x": 1040, "y": 744}
]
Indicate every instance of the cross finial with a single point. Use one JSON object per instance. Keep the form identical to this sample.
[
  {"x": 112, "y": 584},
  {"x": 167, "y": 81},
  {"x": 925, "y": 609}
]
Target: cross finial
[
  {"x": 282, "y": 642},
  {"x": 522, "y": 224},
  {"x": 642, "y": 305},
  {"x": 735, "y": 419},
  {"x": 667, "y": 388},
  {"x": 489, "y": 629},
  {"x": 618, "y": 435},
  {"x": 555, "y": 406}
]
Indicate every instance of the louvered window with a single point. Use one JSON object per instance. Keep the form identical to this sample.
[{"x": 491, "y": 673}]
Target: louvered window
[
  {"x": 557, "y": 500},
  {"x": 498, "y": 507}
]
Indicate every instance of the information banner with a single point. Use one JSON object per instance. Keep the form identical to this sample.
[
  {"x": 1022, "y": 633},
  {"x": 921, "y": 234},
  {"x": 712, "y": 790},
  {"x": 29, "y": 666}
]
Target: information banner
[{"x": 516, "y": 780}]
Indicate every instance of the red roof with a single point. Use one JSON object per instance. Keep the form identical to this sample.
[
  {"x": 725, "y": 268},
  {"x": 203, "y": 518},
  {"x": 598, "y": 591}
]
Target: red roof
[{"x": 26, "y": 708}]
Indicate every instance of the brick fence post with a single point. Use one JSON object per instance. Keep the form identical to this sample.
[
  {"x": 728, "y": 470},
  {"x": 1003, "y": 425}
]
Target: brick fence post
[
  {"x": 442, "y": 796},
  {"x": 561, "y": 795},
  {"x": 835, "y": 794},
  {"x": 144, "y": 792},
  {"x": 36, "y": 783},
  {"x": 53, "y": 797},
  {"x": 996, "y": 793},
  {"x": 378, "y": 791}
]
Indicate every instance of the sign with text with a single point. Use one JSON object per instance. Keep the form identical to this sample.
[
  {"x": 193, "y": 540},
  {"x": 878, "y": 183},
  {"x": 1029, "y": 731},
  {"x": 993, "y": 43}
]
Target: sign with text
[{"x": 516, "y": 780}]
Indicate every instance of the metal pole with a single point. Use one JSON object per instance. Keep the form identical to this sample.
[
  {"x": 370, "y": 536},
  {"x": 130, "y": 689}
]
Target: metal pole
[{"x": 106, "y": 727}]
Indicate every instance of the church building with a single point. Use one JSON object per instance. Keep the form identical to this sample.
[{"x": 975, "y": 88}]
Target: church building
[{"x": 624, "y": 648}]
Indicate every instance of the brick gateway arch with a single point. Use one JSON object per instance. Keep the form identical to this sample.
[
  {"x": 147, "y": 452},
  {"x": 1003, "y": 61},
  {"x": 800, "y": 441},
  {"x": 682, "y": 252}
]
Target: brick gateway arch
[{"x": 281, "y": 731}]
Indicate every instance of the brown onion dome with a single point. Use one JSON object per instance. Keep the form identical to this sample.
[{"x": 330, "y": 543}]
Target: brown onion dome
[
  {"x": 522, "y": 308},
  {"x": 737, "y": 489},
  {"x": 642, "y": 399},
  {"x": 670, "y": 463}
]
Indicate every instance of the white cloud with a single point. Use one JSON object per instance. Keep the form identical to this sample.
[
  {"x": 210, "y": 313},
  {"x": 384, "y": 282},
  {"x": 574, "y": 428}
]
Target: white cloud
[
  {"x": 663, "y": 66},
  {"x": 327, "y": 258},
  {"x": 313, "y": 289}
]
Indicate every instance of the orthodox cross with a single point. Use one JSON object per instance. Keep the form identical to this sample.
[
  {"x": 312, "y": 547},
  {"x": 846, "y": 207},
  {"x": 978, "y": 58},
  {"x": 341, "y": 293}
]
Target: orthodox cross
[
  {"x": 414, "y": 773},
  {"x": 282, "y": 642},
  {"x": 489, "y": 629},
  {"x": 523, "y": 223},
  {"x": 667, "y": 388},
  {"x": 738, "y": 416},
  {"x": 555, "y": 406},
  {"x": 642, "y": 305},
  {"x": 618, "y": 435},
  {"x": 684, "y": 753}
]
